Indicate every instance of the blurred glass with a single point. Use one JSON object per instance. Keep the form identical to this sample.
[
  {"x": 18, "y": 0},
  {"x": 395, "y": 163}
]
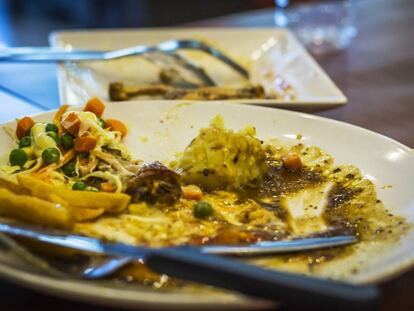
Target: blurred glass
[{"x": 322, "y": 27}]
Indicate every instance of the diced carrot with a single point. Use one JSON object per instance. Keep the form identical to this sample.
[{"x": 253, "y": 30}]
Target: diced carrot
[
  {"x": 58, "y": 117},
  {"x": 192, "y": 192},
  {"x": 116, "y": 125},
  {"x": 292, "y": 161},
  {"x": 107, "y": 187},
  {"x": 96, "y": 106},
  {"x": 71, "y": 123},
  {"x": 85, "y": 143},
  {"x": 23, "y": 125}
]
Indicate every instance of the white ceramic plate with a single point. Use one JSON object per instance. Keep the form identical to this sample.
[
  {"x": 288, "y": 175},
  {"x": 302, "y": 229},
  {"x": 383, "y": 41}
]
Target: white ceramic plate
[
  {"x": 263, "y": 50},
  {"x": 169, "y": 127}
]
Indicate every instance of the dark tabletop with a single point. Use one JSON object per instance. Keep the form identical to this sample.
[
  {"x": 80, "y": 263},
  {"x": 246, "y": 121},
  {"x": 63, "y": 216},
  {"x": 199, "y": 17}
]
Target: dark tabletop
[{"x": 376, "y": 73}]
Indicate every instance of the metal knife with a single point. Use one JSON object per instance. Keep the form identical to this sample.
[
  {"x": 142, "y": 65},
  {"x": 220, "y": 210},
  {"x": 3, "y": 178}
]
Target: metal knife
[{"x": 190, "y": 264}]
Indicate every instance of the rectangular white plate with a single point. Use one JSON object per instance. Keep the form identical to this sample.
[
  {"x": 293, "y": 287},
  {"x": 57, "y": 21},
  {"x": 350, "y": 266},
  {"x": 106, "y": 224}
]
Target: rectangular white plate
[{"x": 261, "y": 49}]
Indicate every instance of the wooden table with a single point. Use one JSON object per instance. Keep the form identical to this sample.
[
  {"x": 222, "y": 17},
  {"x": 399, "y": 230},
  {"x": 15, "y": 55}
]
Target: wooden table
[
  {"x": 375, "y": 72},
  {"x": 377, "y": 75}
]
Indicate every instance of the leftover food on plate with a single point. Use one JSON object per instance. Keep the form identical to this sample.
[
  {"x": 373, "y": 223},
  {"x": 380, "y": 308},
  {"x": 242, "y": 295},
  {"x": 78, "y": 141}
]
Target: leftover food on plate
[
  {"x": 226, "y": 187},
  {"x": 119, "y": 92},
  {"x": 179, "y": 78}
]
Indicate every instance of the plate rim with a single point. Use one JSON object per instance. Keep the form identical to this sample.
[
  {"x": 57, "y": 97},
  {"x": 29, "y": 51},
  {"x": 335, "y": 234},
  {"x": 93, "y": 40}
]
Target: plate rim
[{"x": 85, "y": 292}]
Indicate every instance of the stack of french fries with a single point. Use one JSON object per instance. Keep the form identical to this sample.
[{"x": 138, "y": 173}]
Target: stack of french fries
[{"x": 35, "y": 201}]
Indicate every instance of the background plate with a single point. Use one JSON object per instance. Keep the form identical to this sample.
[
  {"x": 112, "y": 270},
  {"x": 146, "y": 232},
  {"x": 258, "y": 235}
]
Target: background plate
[{"x": 265, "y": 49}]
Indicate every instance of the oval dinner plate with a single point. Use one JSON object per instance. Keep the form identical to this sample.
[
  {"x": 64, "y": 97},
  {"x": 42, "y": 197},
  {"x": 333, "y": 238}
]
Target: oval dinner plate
[{"x": 160, "y": 129}]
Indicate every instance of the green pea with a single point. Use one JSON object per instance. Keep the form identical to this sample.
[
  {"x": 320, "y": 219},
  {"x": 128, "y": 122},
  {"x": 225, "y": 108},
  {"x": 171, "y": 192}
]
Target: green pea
[
  {"x": 54, "y": 136},
  {"x": 79, "y": 185},
  {"x": 67, "y": 141},
  {"x": 50, "y": 155},
  {"x": 26, "y": 141},
  {"x": 17, "y": 157},
  {"x": 51, "y": 127},
  {"x": 69, "y": 169},
  {"x": 102, "y": 123},
  {"x": 203, "y": 209}
]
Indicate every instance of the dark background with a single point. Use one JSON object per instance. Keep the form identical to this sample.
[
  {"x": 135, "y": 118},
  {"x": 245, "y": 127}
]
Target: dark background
[{"x": 28, "y": 22}]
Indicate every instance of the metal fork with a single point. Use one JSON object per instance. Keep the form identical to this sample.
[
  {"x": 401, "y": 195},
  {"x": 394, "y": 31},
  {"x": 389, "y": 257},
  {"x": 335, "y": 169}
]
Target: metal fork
[
  {"x": 105, "y": 267},
  {"x": 45, "y": 54},
  {"x": 191, "y": 265},
  {"x": 261, "y": 248}
]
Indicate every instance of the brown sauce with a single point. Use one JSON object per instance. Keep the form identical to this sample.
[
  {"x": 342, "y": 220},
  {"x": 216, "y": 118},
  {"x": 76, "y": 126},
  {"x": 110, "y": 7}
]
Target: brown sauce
[{"x": 352, "y": 209}]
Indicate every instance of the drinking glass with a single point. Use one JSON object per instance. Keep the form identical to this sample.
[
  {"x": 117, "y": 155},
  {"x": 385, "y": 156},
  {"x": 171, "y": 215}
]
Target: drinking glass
[{"x": 322, "y": 26}]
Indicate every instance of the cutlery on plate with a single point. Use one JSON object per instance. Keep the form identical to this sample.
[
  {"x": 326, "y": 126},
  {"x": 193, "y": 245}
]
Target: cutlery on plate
[
  {"x": 189, "y": 263},
  {"x": 102, "y": 268},
  {"x": 261, "y": 248},
  {"x": 106, "y": 267},
  {"x": 46, "y": 54}
]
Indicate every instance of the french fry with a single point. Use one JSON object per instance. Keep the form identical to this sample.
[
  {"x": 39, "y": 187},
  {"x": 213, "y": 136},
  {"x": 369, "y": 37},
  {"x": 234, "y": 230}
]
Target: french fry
[
  {"x": 12, "y": 186},
  {"x": 84, "y": 214},
  {"x": 56, "y": 199},
  {"x": 109, "y": 202},
  {"x": 34, "y": 210}
]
